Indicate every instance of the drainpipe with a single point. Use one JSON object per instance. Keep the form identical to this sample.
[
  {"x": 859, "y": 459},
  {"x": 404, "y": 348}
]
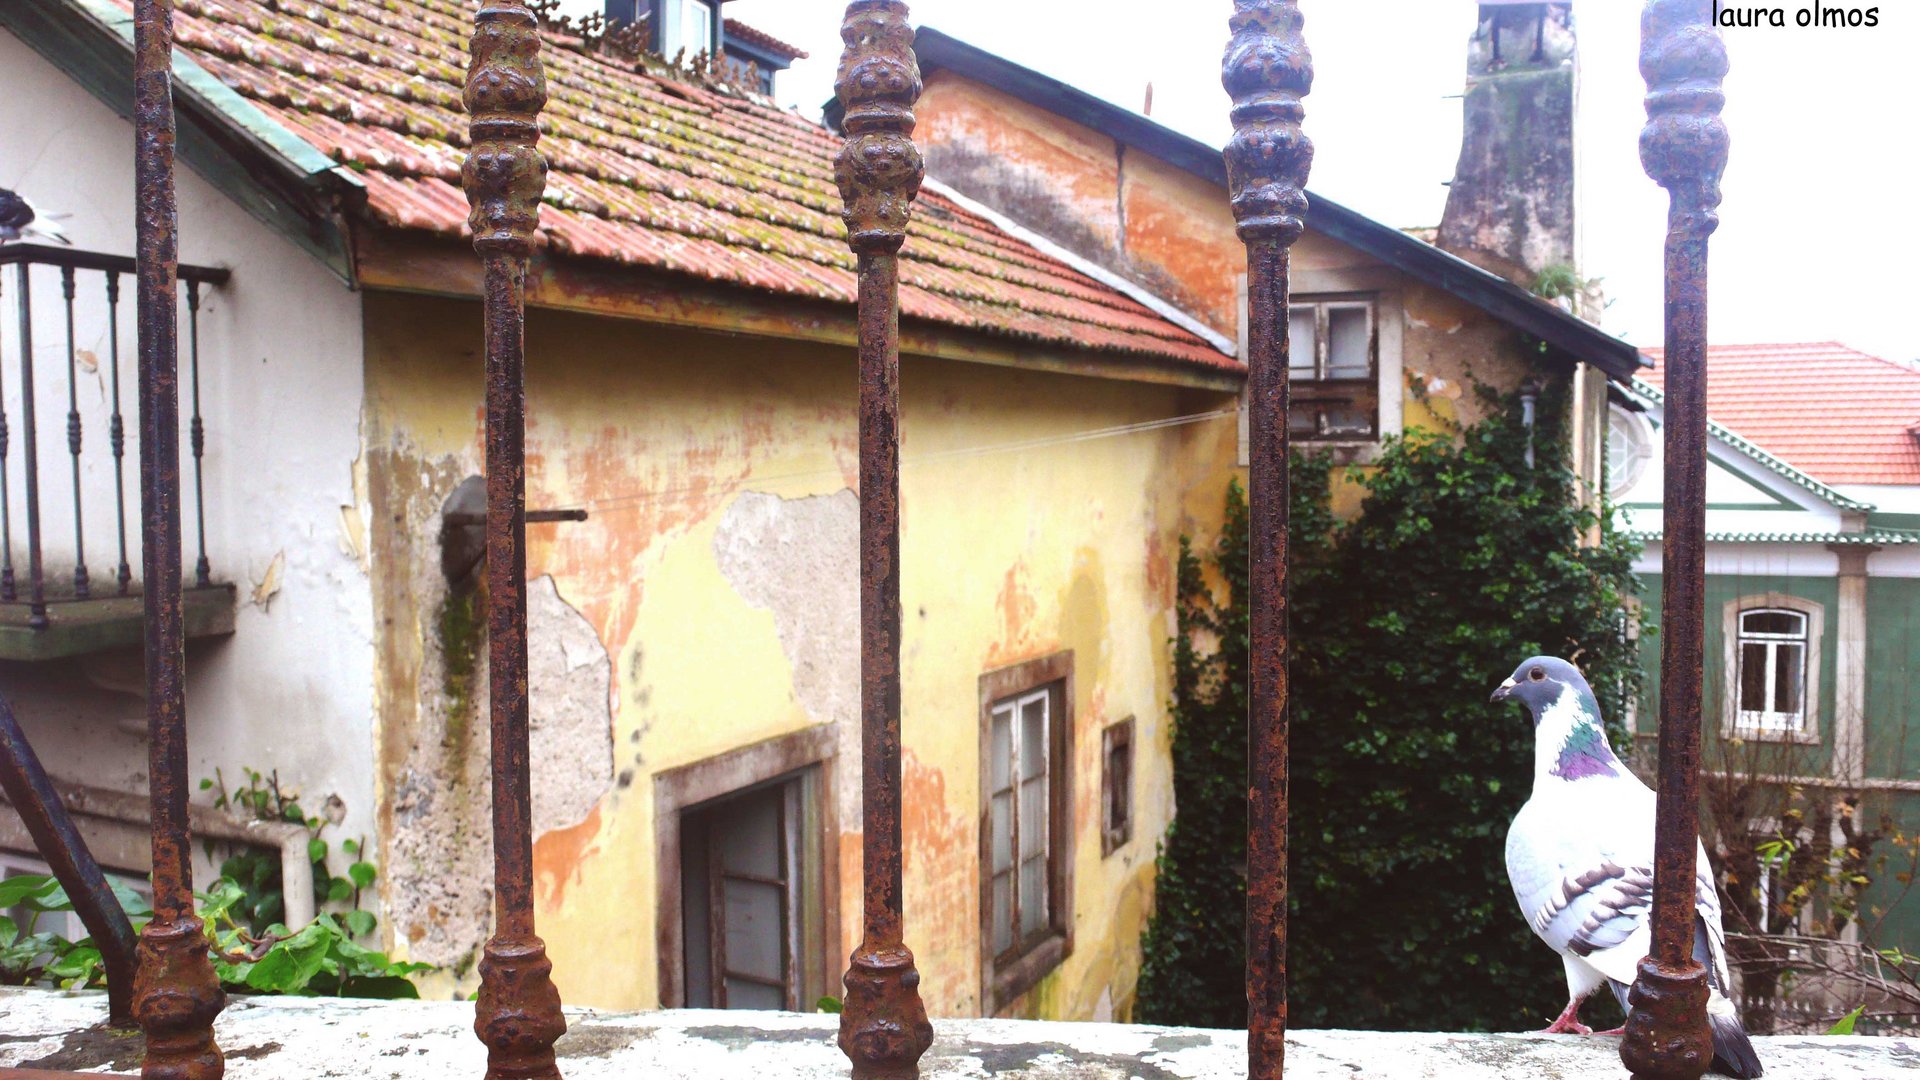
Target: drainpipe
[{"x": 1529, "y": 403}]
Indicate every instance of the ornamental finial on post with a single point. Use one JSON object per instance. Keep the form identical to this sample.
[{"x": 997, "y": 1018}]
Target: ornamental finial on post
[
  {"x": 878, "y": 167},
  {"x": 1684, "y": 144},
  {"x": 504, "y": 174},
  {"x": 1267, "y": 70}
]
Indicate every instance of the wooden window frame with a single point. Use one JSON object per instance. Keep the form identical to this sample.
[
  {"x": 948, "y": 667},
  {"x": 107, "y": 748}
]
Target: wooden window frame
[
  {"x": 678, "y": 790},
  {"x": 1116, "y": 790},
  {"x": 1310, "y": 394},
  {"x": 1005, "y": 978}
]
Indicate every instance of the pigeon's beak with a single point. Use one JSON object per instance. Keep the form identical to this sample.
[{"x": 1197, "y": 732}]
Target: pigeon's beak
[{"x": 1500, "y": 692}]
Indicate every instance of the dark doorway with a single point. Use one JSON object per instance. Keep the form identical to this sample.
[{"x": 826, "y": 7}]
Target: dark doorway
[{"x": 743, "y": 898}]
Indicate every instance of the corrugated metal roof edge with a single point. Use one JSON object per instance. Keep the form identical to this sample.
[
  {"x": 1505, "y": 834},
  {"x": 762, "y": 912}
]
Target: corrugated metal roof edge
[
  {"x": 1101, "y": 274},
  {"x": 1651, "y": 393}
]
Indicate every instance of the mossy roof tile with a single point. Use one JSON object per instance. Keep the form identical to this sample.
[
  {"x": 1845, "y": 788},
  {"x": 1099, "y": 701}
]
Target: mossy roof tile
[{"x": 647, "y": 169}]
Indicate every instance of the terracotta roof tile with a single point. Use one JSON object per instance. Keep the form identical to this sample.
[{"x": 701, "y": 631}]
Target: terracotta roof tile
[
  {"x": 1835, "y": 413},
  {"x": 646, "y": 170}
]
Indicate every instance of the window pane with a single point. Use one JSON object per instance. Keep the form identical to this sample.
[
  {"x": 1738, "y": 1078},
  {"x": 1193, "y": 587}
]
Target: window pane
[
  {"x": 1000, "y": 750},
  {"x": 1303, "y": 421},
  {"x": 1773, "y": 622},
  {"x": 749, "y": 834},
  {"x": 1301, "y": 343},
  {"x": 1753, "y": 677},
  {"x": 1033, "y": 817},
  {"x": 742, "y": 994},
  {"x": 1347, "y": 345},
  {"x": 1348, "y": 420},
  {"x": 1789, "y": 678},
  {"x": 1033, "y": 896},
  {"x": 1001, "y": 815},
  {"x": 756, "y": 934},
  {"x": 1002, "y": 912},
  {"x": 1033, "y": 736}
]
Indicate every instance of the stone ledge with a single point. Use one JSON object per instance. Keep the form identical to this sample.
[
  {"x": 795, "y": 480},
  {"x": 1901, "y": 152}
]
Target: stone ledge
[{"x": 308, "y": 1038}]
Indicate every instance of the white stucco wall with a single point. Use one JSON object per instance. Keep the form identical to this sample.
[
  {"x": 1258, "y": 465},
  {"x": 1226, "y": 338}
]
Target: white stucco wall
[{"x": 281, "y": 390}]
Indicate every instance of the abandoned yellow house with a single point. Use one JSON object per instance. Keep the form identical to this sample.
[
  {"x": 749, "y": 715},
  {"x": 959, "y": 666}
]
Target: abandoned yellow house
[{"x": 1069, "y": 380}]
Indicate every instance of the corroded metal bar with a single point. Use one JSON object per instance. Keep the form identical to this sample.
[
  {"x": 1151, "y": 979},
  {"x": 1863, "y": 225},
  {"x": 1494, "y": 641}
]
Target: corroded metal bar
[
  {"x": 81, "y": 586},
  {"x": 30, "y": 458},
  {"x": 6, "y": 512},
  {"x": 197, "y": 434},
  {"x": 518, "y": 1013},
  {"x": 32, "y": 794},
  {"x": 117, "y": 430},
  {"x": 1684, "y": 148},
  {"x": 883, "y": 1026},
  {"x": 1267, "y": 70},
  {"x": 176, "y": 995}
]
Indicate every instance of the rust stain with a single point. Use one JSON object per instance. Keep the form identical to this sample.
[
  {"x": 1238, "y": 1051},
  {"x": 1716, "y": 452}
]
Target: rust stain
[
  {"x": 940, "y": 848},
  {"x": 1159, "y": 569},
  {"x": 1017, "y": 610},
  {"x": 559, "y": 855}
]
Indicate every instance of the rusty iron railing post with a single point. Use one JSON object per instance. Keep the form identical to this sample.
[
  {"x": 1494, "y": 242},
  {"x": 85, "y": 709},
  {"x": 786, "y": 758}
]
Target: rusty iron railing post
[
  {"x": 1267, "y": 70},
  {"x": 883, "y": 1028},
  {"x": 1684, "y": 148},
  {"x": 176, "y": 995},
  {"x": 45, "y": 816},
  {"x": 518, "y": 1013}
]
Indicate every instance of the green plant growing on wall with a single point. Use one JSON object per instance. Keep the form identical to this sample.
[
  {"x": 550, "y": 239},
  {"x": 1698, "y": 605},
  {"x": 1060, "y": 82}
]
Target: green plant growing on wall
[
  {"x": 1462, "y": 561},
  {"x": 254, "y": 951}
]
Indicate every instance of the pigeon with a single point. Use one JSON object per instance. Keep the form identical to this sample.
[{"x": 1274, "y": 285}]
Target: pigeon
[
  {"x": 20, "y": 221},
  {"x": 1580, "y": 856}
]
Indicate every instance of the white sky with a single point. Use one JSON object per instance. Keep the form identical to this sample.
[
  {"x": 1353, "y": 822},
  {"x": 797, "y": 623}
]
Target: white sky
[{"x": 1817, "y": 230}]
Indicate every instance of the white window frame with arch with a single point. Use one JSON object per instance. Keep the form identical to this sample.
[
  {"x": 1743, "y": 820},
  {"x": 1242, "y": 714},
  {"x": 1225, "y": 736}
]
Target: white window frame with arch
[{"x": 1738, "y": 722}]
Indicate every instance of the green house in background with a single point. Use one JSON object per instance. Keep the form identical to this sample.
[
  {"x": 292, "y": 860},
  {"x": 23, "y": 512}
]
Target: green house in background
[{"x": 1812, "y": 629}]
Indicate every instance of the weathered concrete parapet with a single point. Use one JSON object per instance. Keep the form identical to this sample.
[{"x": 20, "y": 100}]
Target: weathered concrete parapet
[{"x": 308, "y": 1038}]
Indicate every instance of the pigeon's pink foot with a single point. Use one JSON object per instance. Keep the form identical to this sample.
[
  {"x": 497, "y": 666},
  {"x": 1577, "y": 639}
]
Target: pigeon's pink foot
[
  {"x": 1567, "y": 1023},
  {"x": 1615, "y": 1031}
]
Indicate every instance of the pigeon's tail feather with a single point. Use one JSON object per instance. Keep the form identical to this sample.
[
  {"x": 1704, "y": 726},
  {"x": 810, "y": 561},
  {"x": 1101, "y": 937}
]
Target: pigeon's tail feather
[{"x": 1732, "y": 1051}]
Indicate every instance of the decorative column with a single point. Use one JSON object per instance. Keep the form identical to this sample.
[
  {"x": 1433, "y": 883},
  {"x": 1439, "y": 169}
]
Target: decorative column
[
  {"x": 175, "y": 992},
  {"x": 1849, "y": 739},
  {"x": 518, "y": 1013},
  {"x": 1267, "y": 71},
  {"x": 1684, "y": 148},
  {"x": 883, "y": 1027}
]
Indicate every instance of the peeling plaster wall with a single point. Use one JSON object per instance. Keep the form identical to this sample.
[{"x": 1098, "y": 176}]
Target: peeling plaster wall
[
  {"x": 281, "y": 395},
  {"x": 1173, "y": 232},
  {"x": 718, "y": 570}
]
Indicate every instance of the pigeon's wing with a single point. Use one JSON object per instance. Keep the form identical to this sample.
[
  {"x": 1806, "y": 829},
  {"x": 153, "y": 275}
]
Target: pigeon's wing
[{"x": 1581, "y": 865}]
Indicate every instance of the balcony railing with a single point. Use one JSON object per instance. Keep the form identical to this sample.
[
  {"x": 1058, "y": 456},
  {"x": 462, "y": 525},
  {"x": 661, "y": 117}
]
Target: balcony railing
[
  {"x": 64, "y": 346},
  {"x": 883, "y": 1028}
]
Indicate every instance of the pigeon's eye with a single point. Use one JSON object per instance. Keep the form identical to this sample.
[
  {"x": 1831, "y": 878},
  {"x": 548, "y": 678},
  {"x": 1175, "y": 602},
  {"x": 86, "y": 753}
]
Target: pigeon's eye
[{"x": 1536, "y": 673}]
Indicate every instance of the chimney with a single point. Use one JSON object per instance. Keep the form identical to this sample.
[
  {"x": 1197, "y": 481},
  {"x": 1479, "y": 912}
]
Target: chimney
[{"x": 1510, "y": 207}]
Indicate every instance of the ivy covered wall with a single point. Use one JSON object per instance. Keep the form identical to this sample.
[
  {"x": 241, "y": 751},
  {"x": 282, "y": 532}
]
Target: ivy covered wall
[{"x": 1463, "y": 559}]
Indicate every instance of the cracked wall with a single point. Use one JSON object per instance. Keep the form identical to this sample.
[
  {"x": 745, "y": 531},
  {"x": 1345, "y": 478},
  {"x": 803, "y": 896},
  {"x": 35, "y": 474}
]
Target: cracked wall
[{"x": 718, "y": 570}]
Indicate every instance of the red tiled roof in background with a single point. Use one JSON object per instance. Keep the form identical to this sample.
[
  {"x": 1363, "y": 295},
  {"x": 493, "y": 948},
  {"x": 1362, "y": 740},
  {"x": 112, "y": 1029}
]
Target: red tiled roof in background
[
  {"x": 737, "y": 29},
  {"x": 1837, "y": 414},
  {"x": 645, "y": 170}
]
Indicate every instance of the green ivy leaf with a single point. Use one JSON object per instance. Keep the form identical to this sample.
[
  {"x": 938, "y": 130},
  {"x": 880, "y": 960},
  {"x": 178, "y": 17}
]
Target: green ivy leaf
[
  {"x": 1846, "y": 1023},
  {"x": 362, "y": 874},
  {"x": 359, "y": 923}
]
